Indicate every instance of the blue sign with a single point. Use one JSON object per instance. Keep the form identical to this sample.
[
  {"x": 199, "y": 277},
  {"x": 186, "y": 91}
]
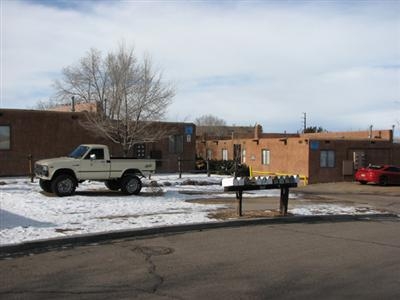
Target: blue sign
[
  {"x": 189, "y": 130},
  {"x": 314, "y": 145}
]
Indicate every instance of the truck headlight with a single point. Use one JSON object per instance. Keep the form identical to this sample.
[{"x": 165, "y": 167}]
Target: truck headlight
[
  {"x": 41, "y": 170},
  {"x": 45, "y": 170}
]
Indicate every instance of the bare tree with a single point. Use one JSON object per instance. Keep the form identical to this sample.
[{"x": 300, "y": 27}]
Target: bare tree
[
  {"x": 130, "y": 96},
  {"x": 210, "y": 120},
  {"x": 210, "y": 125},
  {"x": 87, "y": 81},
  {"x": 43, "y": 105}
]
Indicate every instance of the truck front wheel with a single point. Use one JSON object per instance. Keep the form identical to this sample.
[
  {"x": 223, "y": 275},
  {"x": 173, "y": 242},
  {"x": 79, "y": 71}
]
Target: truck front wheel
[
  {"x": 131, "y": 185},
  {"x": 45, "y": 185},
  {"x": 63, "y": 185}
]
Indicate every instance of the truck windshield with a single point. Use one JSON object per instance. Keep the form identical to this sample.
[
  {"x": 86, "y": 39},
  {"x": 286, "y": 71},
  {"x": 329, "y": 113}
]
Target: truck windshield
[{"x": 79, "y": 152}]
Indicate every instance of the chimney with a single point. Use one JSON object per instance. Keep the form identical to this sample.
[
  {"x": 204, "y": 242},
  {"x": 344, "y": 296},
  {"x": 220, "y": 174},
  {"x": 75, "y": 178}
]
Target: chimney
[
  {"x": 257, "y": 131},
  {"x": 391, "y": 134}
]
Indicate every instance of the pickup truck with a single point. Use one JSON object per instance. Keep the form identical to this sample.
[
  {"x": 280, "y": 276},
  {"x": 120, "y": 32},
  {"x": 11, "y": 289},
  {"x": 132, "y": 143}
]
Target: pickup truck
[{"x": 62, "y": 175}]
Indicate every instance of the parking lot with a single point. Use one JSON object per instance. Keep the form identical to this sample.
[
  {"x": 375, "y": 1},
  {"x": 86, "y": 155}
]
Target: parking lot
[
  {"x": 333, "y": 260},
  {"x": 323, "y": 198}
]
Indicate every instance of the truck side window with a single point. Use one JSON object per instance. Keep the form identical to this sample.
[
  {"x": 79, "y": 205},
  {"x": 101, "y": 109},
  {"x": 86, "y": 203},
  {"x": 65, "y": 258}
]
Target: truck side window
[{"x": 98, "y": 152}]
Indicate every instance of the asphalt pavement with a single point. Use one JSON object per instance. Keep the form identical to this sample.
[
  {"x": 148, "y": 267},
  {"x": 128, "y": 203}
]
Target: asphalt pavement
[{"x": 311, "y": 260}]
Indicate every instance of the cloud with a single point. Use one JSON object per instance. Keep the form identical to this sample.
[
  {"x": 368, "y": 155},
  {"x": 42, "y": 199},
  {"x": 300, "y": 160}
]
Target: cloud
[{"x": 246, "y": 62}]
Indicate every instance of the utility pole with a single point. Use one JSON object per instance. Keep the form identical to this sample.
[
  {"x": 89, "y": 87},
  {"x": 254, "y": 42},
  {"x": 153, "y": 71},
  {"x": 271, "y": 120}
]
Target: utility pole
[
  {"x": 304, "y": 122},
  {"x": 73, "y": 103}
]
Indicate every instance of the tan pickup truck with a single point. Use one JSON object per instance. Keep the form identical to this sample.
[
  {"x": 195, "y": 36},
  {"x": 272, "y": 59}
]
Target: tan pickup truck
[{"x": 92, "y": 162}]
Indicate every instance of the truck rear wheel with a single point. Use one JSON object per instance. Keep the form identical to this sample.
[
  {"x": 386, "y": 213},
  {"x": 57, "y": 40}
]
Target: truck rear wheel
[
  {"x": 113, "y": 185},
  {"x": 63, "y": 185},
  {"x": 131, "y": 185},
  {"x": 45, "y": 185}
]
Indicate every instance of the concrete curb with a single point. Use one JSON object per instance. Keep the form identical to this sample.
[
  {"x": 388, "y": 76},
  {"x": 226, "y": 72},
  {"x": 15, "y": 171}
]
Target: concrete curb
[{"x": 38, "y": 246}]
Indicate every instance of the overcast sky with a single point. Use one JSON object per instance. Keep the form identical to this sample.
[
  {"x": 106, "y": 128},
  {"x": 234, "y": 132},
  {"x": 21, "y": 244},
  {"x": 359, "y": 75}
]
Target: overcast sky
[{"x": 246, "y": 62}]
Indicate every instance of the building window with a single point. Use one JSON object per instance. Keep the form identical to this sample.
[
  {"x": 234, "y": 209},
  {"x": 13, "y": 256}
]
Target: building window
[
  {"x": 176, "y": 144},
  {"x": 139, "y": 150},
  {"x": 265, "y": 156},
  {"x": 327, "y": 159},
  {"x": 243, "y": 156},
  {"x": 5, "y": 137},
  {"x": 209, "y": 154},
  {"x": 224, "y": 154}
]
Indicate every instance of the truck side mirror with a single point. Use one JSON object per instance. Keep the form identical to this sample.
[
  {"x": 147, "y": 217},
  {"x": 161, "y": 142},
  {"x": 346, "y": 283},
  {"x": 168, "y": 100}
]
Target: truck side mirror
[{"x": 92, "y": 156}]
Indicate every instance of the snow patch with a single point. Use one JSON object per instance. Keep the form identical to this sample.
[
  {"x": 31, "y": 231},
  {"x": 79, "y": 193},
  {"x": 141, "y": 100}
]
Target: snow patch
[{"x": 38, "y": 215}]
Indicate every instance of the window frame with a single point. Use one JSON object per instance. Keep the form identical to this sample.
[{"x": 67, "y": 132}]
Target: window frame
[
  {"x": 7, "y": 137},
  {"x": 224, "y": 154},
  {"x": 175, "y": 144},
  {"x": 209, "y": 153},
  {"x": 265, "y": 157},
  {"x": 327, "y": 158}
]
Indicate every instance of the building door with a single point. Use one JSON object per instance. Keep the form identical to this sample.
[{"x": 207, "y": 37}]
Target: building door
[
  {"x": 237, "y": 153},
  {"x": 359, "y": 159}
]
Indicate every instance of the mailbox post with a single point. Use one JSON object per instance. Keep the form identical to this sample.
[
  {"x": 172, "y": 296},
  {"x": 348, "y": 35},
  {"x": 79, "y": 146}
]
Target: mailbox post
[{"x": 284, "y": 194}]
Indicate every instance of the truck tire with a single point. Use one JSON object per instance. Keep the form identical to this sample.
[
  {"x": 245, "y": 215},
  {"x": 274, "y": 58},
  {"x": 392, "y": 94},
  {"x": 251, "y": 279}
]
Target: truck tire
[
  {"x": 131, "y": 185},
  {"x": 63, "y": 185},
  {"x": 45, "y": 185},
  {"x": 113, "y": 185}
]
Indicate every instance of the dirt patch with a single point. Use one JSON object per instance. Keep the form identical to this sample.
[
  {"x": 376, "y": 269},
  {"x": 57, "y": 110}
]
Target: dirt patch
[
  {"x": 66, "y": 230},
  {"x": 213, "y": 201},
  {"x": 226, "y": 214}
]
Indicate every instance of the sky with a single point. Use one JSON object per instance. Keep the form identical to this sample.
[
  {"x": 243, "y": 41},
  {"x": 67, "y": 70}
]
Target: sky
[{"x": 247, "y": 62}]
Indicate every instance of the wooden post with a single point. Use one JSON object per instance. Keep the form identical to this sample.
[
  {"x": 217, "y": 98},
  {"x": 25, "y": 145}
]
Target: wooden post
[
  {"x": 208, "y": 167},
  {"x": 179, "y": 167},
  {"x": 239, "y": 197},
  {"x": 30, "y": 160},
  {"x": 284, "y": 200}
]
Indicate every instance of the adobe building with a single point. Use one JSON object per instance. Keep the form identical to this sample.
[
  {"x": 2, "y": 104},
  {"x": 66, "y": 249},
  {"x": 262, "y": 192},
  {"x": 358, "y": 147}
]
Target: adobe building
[
  {"x": 321, "y": 157},
  {"x": 45, "y": 134}
]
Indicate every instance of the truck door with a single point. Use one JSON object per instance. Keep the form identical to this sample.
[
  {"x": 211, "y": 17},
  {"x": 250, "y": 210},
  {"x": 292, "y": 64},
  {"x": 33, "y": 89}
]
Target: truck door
[{"x": 94, "y": 166}]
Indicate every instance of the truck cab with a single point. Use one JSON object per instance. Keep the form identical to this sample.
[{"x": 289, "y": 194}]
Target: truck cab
[{"x": 94, "y": 161}]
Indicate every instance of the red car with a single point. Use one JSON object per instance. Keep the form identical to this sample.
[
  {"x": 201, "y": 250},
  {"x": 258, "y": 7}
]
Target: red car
[{"x": 382, "y": 175}]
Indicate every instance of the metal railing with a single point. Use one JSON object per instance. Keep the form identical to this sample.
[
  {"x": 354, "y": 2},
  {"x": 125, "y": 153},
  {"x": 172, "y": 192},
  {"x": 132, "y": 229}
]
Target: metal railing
[{"x": 254, "y": 173}]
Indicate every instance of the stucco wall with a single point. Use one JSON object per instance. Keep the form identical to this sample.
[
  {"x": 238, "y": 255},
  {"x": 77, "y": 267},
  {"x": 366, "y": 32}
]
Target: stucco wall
[
  {"x": 301, "y": 155},
  {"x": 45, "y": 134}
]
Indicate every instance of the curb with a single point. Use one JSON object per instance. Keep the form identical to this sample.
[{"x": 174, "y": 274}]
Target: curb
[{"x": 39, "y": 246}]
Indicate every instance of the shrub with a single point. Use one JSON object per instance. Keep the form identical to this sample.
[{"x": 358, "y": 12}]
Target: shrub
[{"x": 222, "y": 167}]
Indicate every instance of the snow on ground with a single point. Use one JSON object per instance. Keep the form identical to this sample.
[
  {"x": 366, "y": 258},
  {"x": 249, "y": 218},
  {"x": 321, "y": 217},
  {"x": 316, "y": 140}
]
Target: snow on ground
[
  {"x": 330, "y": 209},
  {"x": 26, "y": 213}
]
